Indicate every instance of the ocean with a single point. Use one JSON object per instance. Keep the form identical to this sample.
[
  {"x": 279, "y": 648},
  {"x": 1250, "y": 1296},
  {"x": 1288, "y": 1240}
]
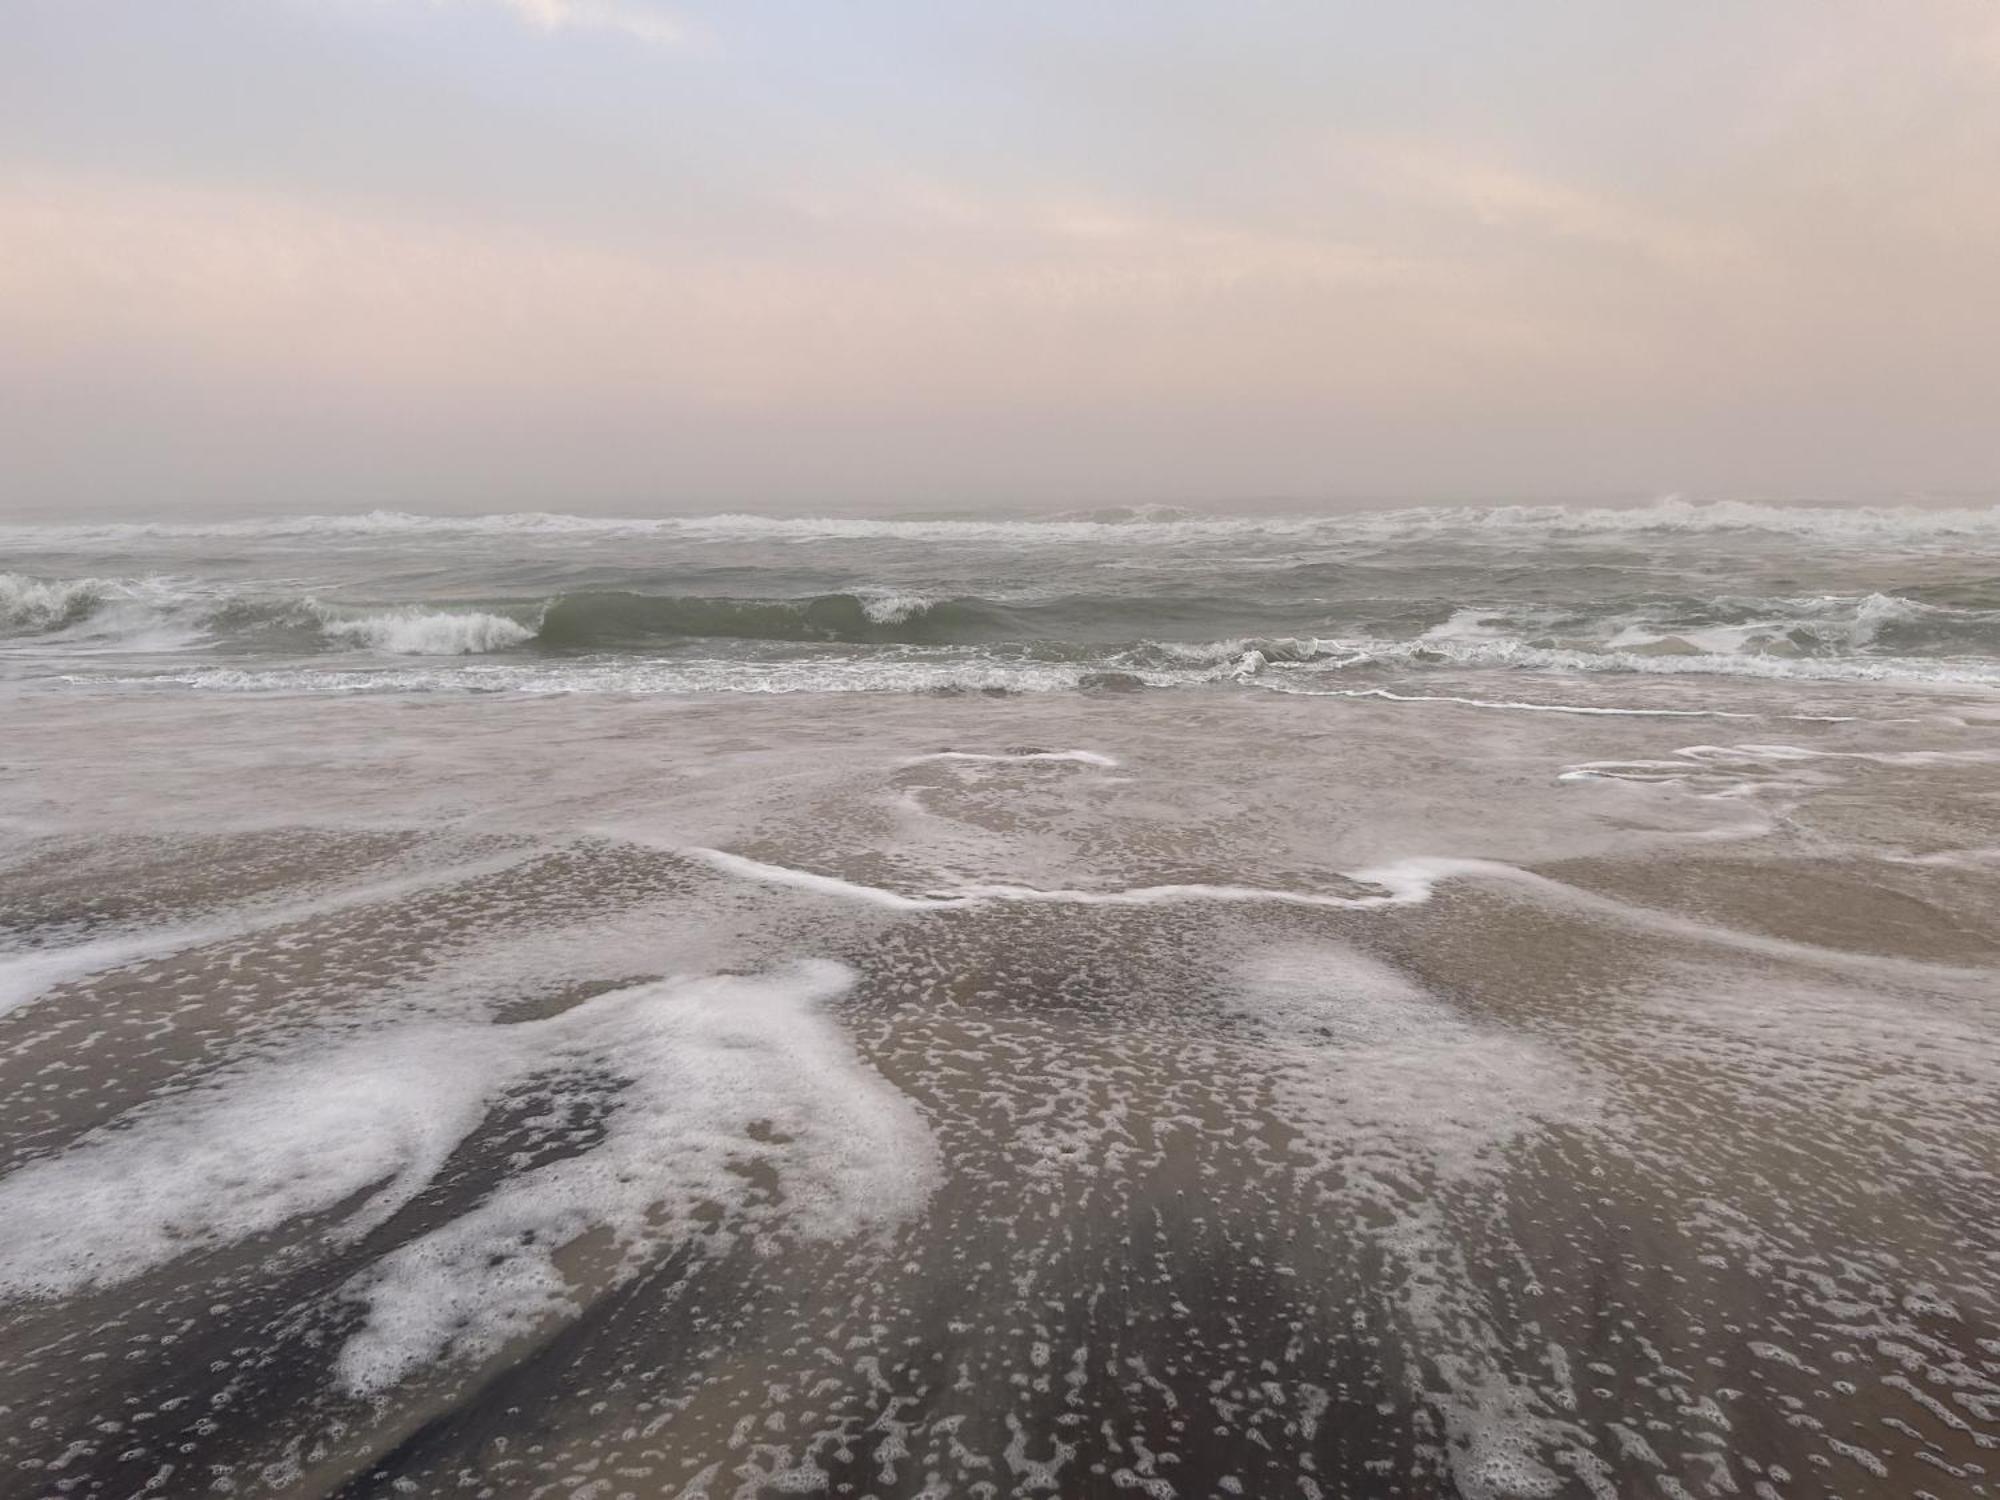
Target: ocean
[{"x": 1440, "y": 1001}]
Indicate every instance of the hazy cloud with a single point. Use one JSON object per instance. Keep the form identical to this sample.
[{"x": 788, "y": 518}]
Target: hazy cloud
[
  {"x": 894, "y": 250},
  {"x": 632, "y": 18}
]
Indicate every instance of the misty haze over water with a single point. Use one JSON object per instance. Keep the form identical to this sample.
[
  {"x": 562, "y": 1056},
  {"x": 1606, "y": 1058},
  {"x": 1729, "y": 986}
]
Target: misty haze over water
[{"x": 999, "y": 751}]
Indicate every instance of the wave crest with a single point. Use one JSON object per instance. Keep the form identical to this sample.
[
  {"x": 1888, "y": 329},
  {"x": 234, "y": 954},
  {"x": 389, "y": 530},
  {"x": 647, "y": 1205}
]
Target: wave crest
[
  {"x": 420, "y": 632},
  {"x": 614, "y": 619},
  {"x": 37, "y": 604}
]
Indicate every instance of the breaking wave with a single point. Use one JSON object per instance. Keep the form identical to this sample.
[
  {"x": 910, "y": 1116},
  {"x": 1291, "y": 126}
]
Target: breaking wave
[
  {"x": 155, "y": 614},
  {"x": 1019, "y": 632},
  {"x": 419, "y": 632},
  {"x": 1528, "y": 656},
  {"x": 619, "y": 619},
  {"x": 35, "y": 604},
  {"x": 101, "y": 613}
]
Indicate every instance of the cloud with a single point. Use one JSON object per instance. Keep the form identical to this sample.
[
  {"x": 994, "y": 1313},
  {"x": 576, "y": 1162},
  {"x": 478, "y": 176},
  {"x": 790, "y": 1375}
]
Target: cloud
[
  {"x": 1504, "y": 196},
  {"x": 639, "y": 21},
  {"x": 877, "y": 298}
]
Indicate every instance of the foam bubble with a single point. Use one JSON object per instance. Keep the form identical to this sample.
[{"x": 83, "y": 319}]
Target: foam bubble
[
  {"x": 245, "y": 1154},
  {"x": 687, "y": 1071},
  {"x": 1389, "y": 1055},
  {"x": 1392, "y": 1088},
  {"x": 27, "y": 975},
  {"x": 700, "y": 1064}
]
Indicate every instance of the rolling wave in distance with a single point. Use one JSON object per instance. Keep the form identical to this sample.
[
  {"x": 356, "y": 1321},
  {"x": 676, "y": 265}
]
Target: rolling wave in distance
[{"x": 1142, "y": 597}]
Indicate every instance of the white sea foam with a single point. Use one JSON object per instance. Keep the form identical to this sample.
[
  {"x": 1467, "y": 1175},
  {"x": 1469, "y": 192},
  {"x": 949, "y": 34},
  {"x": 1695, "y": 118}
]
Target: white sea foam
[
  {"x": 953, "y": 672},
  {"x": 822, "y": 885},
  {"x": 1688, "y": 929},
  {"x": 685, "y": 1070},
  {"x": 1006, "y": 757},
  {"x": 45, "y": 603},
  {"x": 28, "y": 974},
  {"x": 1689, "y": 761},
  {"x": 1389, "y": 1087},
  {"x": 891, "y": 606},
  {"x": 1468, "y": 625},
  {"x": 1786, "y": 628},
  {"x": 162, "y": 613},
  {"x": 1391, "y": 1056},
  {"x": 1781, "y": 753},
  {"x": 1234, "y": 652},
  {"x": 1877, "y": 611},
  {"x": 1511, "y": 651},
  {"x": 700, "y": 1064},
  {"x": 1403, "y": 883},
  {"x": 427, "y": 632},
  {"x": 244, "y": 1154},
  {"x": 972, "y": 670},
  {"x": 103, "y": 614},
  {"x": 1540, "y": 708}
]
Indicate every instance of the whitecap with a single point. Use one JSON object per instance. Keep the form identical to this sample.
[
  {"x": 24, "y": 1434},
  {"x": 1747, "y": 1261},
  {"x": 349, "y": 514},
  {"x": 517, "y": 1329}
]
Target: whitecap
[
  {"x": 47, "y": 603},
  {"x": 891, "y": 607},
  {"x": 422, "y": 632},
  {"x": 103, "y": 614},
  {"x": 1833, "y": 525}
]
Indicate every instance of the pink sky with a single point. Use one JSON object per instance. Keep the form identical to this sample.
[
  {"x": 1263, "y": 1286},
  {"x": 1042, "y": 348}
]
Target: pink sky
[{"x": 449, "y": 252}]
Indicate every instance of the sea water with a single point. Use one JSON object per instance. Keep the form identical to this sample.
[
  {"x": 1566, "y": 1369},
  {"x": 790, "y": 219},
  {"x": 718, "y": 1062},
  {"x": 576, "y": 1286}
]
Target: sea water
[{"x": 1421, "y": 1002}]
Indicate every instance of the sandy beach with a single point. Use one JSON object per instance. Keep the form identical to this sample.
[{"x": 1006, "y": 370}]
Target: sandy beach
[{"x": 1244, "y": 1094}]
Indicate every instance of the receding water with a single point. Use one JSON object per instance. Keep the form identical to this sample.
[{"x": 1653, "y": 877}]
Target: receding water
[{"x": 1403, "y": 1004}]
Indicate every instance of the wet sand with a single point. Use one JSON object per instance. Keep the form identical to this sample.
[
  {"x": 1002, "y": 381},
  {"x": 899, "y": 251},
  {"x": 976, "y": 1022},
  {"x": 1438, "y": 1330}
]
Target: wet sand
[{"x": 1283, "y": 1096}]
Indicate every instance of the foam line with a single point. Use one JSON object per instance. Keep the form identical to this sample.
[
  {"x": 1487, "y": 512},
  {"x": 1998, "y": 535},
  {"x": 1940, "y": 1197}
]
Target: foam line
[
  {"x": 1402, "y": 884},
  {"x": 1540, "y": 708},
  {"x": 1953, "y": 859},
  {"x": 1406, "y": 882},
  {"x": 27, "y": 976},
  {"x": 1666, "y": 923},
  {"x": 1695, "y": 757},
  {"x": 1876, "y": 757},
  {"x": 822, "y": 885},
  {"x": 1080, "y": 757}
]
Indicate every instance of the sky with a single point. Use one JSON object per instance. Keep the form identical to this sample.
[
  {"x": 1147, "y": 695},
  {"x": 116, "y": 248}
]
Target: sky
[{"x": 627, "y": 256}]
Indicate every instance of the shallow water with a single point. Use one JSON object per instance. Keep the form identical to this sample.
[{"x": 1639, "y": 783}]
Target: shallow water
[{"x": 1455, "y": 1072}]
